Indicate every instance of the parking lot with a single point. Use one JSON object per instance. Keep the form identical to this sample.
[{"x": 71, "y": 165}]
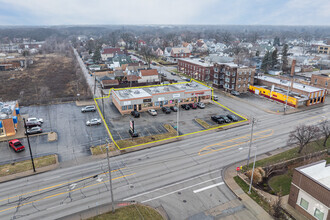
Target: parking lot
[
  {"x": 74, "y": 137},
  {"x": 147, "y": 124}
]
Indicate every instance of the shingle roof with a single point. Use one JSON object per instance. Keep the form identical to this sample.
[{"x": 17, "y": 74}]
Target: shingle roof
[
  {"x": 152, "y": 72},
  {"x": 180, "y": 50},
  {"x": 110, "y": 82},
  {"x": 112, "y": 50}
]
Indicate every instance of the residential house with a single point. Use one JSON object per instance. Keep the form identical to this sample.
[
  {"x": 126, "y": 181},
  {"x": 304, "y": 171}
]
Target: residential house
[
  {"x": 149, "y": 75},
  {"x": 167, "y": 51},
  {"x": 179, "y": 52},
  {"x": 94, "y": 67},
  {"x": 159, "y": 52},
  {"x": 109, "y": 83},
  {"x": 142, "y": 43},
  {"x": 188, "y": 45},
  {"x": 110, "y": 53}
]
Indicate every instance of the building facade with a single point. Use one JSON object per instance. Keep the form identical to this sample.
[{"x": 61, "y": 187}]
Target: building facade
[
  {"x": 323, "y": 49},
  {"x": 142, "y": 99},
  {"x": 322, "y": 81},
  {"x": 195, "y": 69},
  {"x": 231, "y": 77},
  {"x": 310, "y": 190},
  {"x": 9, "y": 113}
]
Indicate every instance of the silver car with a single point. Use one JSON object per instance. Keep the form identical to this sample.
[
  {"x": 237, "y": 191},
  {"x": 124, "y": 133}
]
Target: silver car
[
  {"x": 35, "y": 120},
  {"x": 94, "y": 121},
  {"x": 152, "y": 112},
  {"x": 34, "y": 130},
  {"x": 90, "y": 108}
]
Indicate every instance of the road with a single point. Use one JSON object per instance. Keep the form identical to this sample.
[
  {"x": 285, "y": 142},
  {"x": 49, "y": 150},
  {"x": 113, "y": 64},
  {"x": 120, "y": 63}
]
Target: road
[{"x": 184, "y": 177}]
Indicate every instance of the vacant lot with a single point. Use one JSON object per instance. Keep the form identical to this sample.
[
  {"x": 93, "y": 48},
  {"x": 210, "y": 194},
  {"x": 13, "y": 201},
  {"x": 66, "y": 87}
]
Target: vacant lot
[{"x": 51, "y": 78}]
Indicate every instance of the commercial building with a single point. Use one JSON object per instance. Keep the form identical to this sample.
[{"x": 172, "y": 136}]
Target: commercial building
[
  {"x": 9, "y": 113},
  {"x": 321, "y": 80},
  {"x": 323, "y": 49},
  {"x": 195, "y": 69},
  {"x": 310, "y": 190},
  {"x": 231, "y": 77},
  {"x": 142, "y": 99},
  {"x": 312, "y": 94}
]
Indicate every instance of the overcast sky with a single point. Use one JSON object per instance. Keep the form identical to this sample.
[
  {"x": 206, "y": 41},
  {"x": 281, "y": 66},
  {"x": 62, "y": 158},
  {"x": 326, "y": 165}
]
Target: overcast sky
[{"x": 246, "y": 12}]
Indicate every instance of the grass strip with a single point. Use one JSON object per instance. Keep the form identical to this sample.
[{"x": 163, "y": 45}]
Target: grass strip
[
  {"x": 130, "y": 212},
  {"x": 204, "y": 124},
  {"x": 26, "y": 165},
  {"x": 281, "y": 184},
  {"x": 101, "y": 149}
]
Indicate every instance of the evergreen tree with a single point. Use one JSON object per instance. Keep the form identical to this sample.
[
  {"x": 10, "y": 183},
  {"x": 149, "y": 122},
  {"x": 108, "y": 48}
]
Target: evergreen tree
[
  {"x": 97, "y": 55},
  {"x": 266, "y": 61},
  {"x": 276, "y": 41},
  {"x": 257, "y": 53},
  {"x": 285, "y": 58},
  {"x": 274, "y": 58}
]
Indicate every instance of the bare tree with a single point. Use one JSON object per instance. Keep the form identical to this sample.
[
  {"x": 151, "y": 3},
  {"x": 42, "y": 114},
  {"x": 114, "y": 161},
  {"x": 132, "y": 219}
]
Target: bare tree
[
  {"x": 113, "y": 38},
  {"x": 147, "y": 54},
  {"x": 226, "y": 37},
  {"x": 325, "y": 131},
  {"x": 303, "y": 135}
]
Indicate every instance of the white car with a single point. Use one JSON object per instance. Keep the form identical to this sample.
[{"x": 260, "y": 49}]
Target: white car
[
  {"x": 152, "y": 112},
  {"x": 94, "y": 121},
  {"x": 35, "y": 120}
]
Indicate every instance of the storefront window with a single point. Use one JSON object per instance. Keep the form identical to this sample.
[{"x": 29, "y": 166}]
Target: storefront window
[
  {"x": 186, "y": 100},
  {"x": 130, "y": 106},
  {"x": 146, "y": 105},
  {"x": 165, "y": 102},
  {"x": 156, "y": 103},
  {"x": 124, "y": 107}
]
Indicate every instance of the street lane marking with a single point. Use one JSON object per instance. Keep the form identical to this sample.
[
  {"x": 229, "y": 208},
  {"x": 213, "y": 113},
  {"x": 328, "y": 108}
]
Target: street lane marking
[
  {"x": 58, "y": 194},
  {"x": 240, "y": 140},
  {"x": 61, "y": 184},
  {"x": 148, "y": 200},
  {"x": 208, "y": 187},
  {"x": 316, "y": 116},
  {"x": 129, "y": 198}
]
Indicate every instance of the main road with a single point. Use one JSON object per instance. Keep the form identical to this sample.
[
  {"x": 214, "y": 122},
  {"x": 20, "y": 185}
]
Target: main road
[{"x": 184, "y": 177}]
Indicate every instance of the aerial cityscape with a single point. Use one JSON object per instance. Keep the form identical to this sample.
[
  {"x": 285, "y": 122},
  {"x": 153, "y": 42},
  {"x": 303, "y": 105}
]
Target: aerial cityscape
[{"x": 165, "y": 110}]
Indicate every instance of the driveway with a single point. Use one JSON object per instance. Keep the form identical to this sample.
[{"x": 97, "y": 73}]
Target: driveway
[{"x": 74, "y": 137}]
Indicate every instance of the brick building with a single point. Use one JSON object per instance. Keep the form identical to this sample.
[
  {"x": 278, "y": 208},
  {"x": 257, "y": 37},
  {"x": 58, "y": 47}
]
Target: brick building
[
  {"x": 310, "y": 190},
  {"x": 231, "y": 77},
  {"x": 322, "y": 81},
  {"x": 323, "y": 49},
  {"x": 195, "y": 69}
]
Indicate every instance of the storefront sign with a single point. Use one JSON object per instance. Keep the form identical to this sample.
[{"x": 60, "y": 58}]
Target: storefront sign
[
  {"x": 127, "y": 103},
  {"x": 199, "y": 93},
  {"x": 146, "y": 100},
  {"x": 161, "y": 99},
  {"x": 176, "y": 95}
]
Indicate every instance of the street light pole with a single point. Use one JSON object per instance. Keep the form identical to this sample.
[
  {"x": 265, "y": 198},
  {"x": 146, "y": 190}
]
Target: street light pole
[
  {"x": 94, "y": 84},
  {"x": 286, "y": 100},
  {"x": 112, "y": 205},
  {"x": 27, "y": 136},
  {"x": 254, "y": 163},
  {"x": 177, "y": 119},
  {"x": 248, "y": 160},
  {"x": 102, "y": 104}
]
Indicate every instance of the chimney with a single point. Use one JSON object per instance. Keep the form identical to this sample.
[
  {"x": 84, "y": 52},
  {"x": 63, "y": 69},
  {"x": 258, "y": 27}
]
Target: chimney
[{"x": 293, "y": 65}]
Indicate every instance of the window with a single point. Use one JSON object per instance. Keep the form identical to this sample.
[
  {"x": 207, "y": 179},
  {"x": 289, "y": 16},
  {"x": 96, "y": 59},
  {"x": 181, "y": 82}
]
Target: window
[
  {"x": 156, "y": 103},
  {"x": 227, "y": 79},
  {"x": 249, "y": 80},
  {"x": 250, "y": 73},
  {"x": 216, "y": 76},
  {"x": 130, "y": 106},
  {"x": 244, "y": 79},
  {"x": 239, "y": 86},
  {"x": 234, "y": 73},
  {"x": 226, "y": 85},
  {"x": 326, "y": 83},
  {"x": 165, "y": 102},
  {"x": 318, "y": 214},
  {"x": 215, "y": 82},
  {"x": 239, "y": 73},
  {"x": 233, "y": 86},
  {"x": 321, "y": 48},
  {"x": 244, "y": 85},
  {"x": 233, "y": 80},
  {"x": 215, "y": 69},
  {"x": 239, "y": 79},
  {"x": 124, "y": 107},
  {"x": 304, "y": 203}
]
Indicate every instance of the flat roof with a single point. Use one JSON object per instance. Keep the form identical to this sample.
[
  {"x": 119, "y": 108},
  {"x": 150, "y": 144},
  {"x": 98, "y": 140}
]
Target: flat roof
[
  {"x": 318, "y": 171},
  {"x": 154, "y": 90},
  {"x": 296, "y": 85},
  {"x": 197, "y": 62},
  {"x": 7, "y": 109}
]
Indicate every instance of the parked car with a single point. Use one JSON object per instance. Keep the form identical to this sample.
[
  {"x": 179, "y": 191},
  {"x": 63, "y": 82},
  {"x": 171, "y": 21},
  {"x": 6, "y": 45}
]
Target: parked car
[
  {"x": 217, "y": 119},
  {"x": 200, "y": 105},
  {"x": 215, "y": 98},
  {"x": 185, "y": 106},
  {"x": 35, "y": 119},
  {"x": 133, "y": 134},
  {"x": 235, "y": 93},
  {"x": 32, "y": 124},
  {"x": 174, "y": 80},
  {"x": 227, "y": 120},
  {"x": 166, "y": 110},
  {"x": 34, "y": 130},
  {"x": 152, "y": 112},
  {"x": 94, "y": 121},
  {"x": 193, "y": 105},
  {"x": 153, "y": 63},
  {"x": 232, "y": 117},
  {"x": 173, "y": 73},
  {"x": 188, "y": 80},
  {"x": 16, "y": 145},
  {"x": 136, "y": 114},
  {"x": 174, "y": 108},
  {"x": 90, "y": 108}
]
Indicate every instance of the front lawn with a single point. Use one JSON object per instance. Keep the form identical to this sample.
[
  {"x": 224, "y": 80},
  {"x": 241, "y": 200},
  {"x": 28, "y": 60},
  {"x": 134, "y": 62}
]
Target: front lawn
[{"x": 281, "y": 183}]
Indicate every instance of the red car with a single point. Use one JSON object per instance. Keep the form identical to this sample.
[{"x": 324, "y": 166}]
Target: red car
[{"x": 16, "y": 145}]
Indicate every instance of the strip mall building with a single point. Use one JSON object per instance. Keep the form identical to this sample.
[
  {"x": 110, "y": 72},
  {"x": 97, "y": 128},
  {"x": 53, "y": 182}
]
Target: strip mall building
[{"x": 155, "y": 97}]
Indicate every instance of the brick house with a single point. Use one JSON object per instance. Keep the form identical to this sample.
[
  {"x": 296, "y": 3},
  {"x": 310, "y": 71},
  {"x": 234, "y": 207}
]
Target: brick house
[
  {"x": 322, "y": 81},
  {"x": 231, "y": 77},
  {"x": 310, "y": 190},
  {"x": 195, "y": 69},
  {"x": 180, "y": 52}
]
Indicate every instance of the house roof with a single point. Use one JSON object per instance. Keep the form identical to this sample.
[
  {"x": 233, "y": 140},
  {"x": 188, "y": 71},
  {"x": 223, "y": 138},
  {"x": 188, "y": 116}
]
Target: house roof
[
  {"x": 112, "y": 50},
  {"x": 176, "y": 50},
  {"x": 185, "y": 44},
  {"x": 152, "y": 72},
  {"x": 133, "y": 78},
  {"x": 110, "y": 82}
]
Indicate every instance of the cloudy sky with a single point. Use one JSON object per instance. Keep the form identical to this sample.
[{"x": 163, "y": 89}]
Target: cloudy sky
[{"x": 86, "y": 12}]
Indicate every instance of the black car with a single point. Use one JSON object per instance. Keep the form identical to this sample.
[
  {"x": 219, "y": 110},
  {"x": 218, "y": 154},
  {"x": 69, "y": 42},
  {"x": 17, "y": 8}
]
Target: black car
[
  {"x": 227, "y": 120},
  {"x": 174, "y": 108},
  {"x": 166, "y": 110},
  {"x": 185, "y": 106},
  {"x": 193, "y": 105},
  {"x": 173, "y": 73},
  {"x": 34, "y": 130},
  {"x": 31, "y": 124},
  {"x": 136, "y": 114},
  {"x": 133, "y": 134},
  {"x": 232, "y": 117},
  {"x": 217, "y": 119}
]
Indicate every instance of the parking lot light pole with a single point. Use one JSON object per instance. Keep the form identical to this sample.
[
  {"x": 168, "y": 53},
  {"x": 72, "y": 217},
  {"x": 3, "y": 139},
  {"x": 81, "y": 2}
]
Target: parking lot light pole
[
  {"x": 112, "y": 205},
  {"x": 27, "y": 136},
  {"x": 177, "y": 119},
  {"x": 248, "y": 160}
]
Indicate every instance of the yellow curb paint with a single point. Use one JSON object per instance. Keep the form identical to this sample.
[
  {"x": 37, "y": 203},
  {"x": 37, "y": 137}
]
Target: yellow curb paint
[{"x": 244, "y": 119}]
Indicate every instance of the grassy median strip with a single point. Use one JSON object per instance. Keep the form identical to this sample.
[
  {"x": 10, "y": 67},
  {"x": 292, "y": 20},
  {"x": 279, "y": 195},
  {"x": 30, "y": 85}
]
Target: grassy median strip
[
  {"x": 253, "y": 195},
  {"x": 26, "y": 165},
  {"x": 204, "y": 124},
  {"x": 130, "y": 212},
  {"x": 101, "y": 149},
  {"x": 146, "y": 139}
]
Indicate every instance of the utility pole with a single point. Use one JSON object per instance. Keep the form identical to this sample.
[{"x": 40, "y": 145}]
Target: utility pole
[
  {"x": 27, "y": 136},
  {"x": 94, "y": 84},
  {"x": 254, "y": 163},
  {"x": 102, "y": 104},
  {"x": 112, "y": 205},
  {"x": 287, "y": 97},
  {"x": 177, "y": 119},
  {"x": 253, "y": 121}
]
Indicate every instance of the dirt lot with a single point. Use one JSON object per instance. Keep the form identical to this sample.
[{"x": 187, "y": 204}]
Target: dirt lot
[{"x": 52, "y": 78}]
